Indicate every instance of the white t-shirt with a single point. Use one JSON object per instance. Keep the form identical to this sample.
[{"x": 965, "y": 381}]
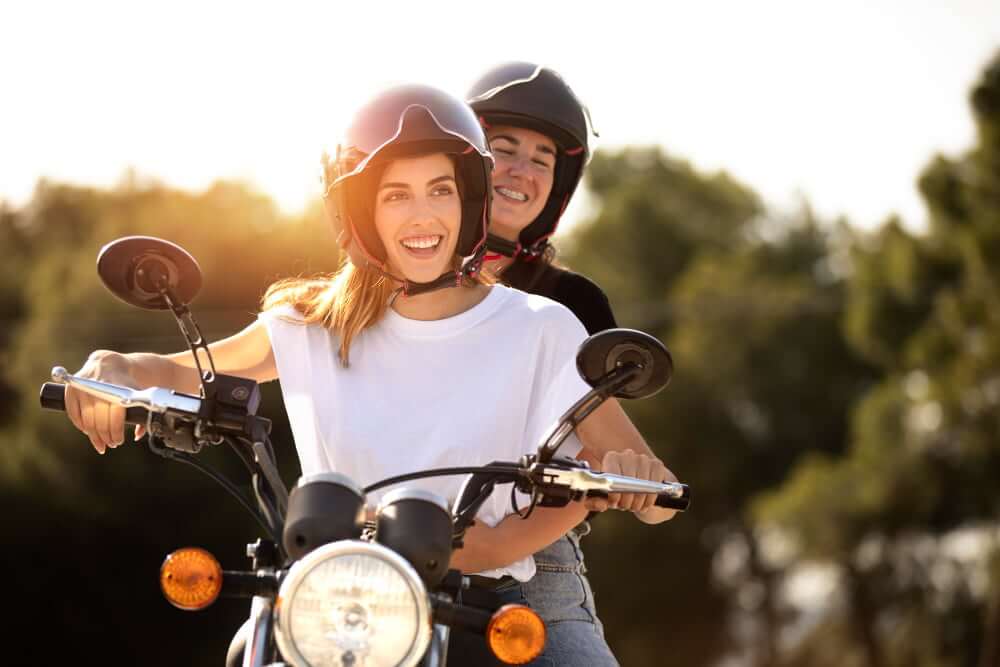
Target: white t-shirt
[{"x": 482, "y": 386}]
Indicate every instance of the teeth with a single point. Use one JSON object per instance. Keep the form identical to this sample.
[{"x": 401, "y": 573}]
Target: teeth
[
  {"x": 513, "y": 194},
  {"x": 421, "y": 241}
]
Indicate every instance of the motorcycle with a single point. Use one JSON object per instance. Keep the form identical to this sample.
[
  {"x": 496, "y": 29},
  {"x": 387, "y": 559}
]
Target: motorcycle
[{"x": 327, "y": 585}]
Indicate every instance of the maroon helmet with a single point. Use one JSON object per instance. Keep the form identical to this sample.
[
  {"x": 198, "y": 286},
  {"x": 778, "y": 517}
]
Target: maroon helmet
[{"x": 409, "y": 121}]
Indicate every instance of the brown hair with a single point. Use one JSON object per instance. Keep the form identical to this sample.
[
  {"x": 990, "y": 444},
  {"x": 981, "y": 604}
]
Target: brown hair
[{"x": 346, "y": 302}]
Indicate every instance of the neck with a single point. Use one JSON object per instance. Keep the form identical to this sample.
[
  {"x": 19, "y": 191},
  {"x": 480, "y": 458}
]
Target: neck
[
  {"x": 499, "y": 265},
  {"x": 439, "y": 304}
]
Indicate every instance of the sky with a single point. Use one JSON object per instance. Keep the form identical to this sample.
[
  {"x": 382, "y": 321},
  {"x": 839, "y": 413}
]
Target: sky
[{"x": 840, "y": 104}]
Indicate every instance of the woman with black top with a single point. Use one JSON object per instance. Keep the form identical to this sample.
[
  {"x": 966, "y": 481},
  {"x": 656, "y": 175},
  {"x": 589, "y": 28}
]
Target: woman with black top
[{"x": 538, "y": 133}]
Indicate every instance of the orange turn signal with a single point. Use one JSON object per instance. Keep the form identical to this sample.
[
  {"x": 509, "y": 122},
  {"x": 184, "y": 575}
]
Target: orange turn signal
[
  {"x": 191, "y": 578},
  {"x": 516, "y": 634}
]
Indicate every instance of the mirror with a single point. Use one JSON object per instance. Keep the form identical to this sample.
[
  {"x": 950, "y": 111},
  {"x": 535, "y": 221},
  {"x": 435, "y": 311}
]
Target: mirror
[
  {"x": 134, "y": 268},
  {"x": 607, "y": 350}
]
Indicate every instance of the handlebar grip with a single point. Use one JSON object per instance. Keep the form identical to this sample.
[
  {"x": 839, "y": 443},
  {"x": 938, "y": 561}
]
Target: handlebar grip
[
  {"x": 53, "y": 397},
  {"x": 681, "y": 504}
]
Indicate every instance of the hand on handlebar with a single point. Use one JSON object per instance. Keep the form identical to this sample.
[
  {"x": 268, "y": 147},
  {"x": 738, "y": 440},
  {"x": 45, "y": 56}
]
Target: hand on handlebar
[
  {"x": 632, "y": 464},
  {"x": 99, "y": 420}
]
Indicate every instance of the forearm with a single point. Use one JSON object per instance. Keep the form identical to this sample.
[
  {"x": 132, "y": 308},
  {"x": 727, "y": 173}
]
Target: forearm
[
  {"x": 514, "y": 538},
  {"x": 159, "y": 370},
  {"x": 609, "y": 429}
]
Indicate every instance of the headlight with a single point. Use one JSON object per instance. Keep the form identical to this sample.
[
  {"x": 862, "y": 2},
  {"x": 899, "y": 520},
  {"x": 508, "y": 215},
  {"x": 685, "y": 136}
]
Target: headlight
[{"x": 352, "y": 603}]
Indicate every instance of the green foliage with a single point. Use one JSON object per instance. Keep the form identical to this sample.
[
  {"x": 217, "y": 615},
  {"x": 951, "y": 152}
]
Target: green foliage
[
  {"x": 924, "y": 451},
  {"x": 836, "y": 402}
]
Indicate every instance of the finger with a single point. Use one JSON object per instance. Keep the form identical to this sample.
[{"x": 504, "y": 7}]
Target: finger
[
  {"x": 96, "y": 442},
  {"x": 613, "y": 500},
  {"x": 611, "y": 464},
  {"x": 116, "y": 424},
  {"x": 596, "y": 504},
  {"x": 630, "y": 501},
  {"x": 628, "y": 464},
  {"x": 87, "y": 421},
  {"x": 140, "y": 431},
  {"x": 102, "y": 420},
  {"x": 644, "y": 470},
  {"x": 73, "y": 408}
]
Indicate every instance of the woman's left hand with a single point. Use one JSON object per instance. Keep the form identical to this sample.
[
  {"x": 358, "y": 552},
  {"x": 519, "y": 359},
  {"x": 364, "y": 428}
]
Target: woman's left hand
[{"x": 641, "y": 466}]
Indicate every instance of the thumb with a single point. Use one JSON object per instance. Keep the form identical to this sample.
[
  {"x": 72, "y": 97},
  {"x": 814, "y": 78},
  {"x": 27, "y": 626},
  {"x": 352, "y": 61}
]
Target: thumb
[{"x": 139, "y": 432}]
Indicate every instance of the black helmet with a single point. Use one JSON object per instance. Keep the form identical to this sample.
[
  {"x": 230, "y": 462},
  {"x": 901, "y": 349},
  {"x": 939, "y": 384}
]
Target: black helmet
[
  {"x": 404, "y": 122},
  {"x": 535, "y": 97}
]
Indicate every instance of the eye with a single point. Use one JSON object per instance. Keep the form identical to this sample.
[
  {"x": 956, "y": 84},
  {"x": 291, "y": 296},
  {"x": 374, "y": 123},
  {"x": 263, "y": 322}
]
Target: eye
[
  {"x": 542, "y": 163},
  {"x": 501, "y": 151},
  {"x": 394, "y": 195},
  {"x": 442, "y": 191}
]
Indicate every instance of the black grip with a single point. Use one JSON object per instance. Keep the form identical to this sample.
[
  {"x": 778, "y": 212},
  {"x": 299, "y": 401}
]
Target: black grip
[
  {"x": 462, "y": 616},
  {"x": 53, "y": 397},
  {"x": 670, "y": 502}
]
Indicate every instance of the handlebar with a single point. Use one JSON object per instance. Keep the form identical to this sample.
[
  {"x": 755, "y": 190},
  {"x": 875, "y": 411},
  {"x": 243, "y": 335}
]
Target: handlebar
[
  {"x": 671, "y": 495},
  {"x": 53, "y": 397},
  {"x": 565, "y": 479}
]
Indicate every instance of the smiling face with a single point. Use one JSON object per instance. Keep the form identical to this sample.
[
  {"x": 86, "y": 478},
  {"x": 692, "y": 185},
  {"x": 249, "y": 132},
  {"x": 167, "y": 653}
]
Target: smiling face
[
  {"x": 418, "y": 216},
  {"x": 522, "y": 178}
]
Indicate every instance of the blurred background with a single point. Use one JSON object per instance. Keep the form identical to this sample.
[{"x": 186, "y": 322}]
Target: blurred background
[{"x": 802, "y": 201}]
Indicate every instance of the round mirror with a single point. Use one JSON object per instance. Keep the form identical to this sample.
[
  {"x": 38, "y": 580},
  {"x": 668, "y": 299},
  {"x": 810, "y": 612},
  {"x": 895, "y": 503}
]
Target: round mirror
[
  {"x": 136, "y": 268},
  {"x": 607, "y": 350}
]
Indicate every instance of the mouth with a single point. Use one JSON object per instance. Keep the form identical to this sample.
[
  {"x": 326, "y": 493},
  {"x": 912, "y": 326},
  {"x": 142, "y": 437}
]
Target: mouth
[
  {"x": 421, "y": 246},
  {"x": 511, "y": 195}
]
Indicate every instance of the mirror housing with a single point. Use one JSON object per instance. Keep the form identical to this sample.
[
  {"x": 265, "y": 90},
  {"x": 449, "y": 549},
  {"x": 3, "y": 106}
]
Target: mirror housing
[{"x": 137, "y": 268}]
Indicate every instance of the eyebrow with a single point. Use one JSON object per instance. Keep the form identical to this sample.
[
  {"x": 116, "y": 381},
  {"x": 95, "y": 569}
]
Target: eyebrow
[
  {"x": 542, "y": 148},
  {"x": 433, "y": 181}
]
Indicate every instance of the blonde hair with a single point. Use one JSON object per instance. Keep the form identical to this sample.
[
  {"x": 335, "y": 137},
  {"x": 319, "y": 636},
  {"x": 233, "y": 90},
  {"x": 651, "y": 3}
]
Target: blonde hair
[{"x": 346, "y": 302}]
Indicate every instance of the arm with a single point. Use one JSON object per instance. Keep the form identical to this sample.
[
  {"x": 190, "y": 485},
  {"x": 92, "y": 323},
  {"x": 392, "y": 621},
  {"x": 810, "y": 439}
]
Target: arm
[
  {"x": 514, "y": 538},
  {"x": 609, "y": 436},
  {"x": 246, "y": 354}
]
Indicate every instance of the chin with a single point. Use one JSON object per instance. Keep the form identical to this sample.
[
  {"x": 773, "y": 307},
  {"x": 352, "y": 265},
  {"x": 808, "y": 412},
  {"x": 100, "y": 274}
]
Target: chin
[
  {"x": 424, "y": 274},
  {"x": 502, "y": 226}
]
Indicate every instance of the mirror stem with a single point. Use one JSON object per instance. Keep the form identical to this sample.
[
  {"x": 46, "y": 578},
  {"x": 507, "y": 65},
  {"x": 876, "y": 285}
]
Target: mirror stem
[
  {"x": 614, "y": 380},
  {"x": 192, "y": 334}
]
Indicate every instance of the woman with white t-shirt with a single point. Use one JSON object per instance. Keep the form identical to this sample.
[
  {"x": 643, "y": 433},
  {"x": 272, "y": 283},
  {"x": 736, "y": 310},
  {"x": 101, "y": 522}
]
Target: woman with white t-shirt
[{"x": 406, "y": 359}]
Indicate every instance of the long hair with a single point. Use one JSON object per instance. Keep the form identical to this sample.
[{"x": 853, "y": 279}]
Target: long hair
[
  {"x": 346, "y": 302},
  {"x": 354, "y": 297}
]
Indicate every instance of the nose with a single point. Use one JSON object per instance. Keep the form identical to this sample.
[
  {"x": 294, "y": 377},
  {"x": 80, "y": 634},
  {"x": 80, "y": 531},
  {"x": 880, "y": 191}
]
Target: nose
[
  {"x": 423, "y": 210},
  {"x": 519, "y": 167}
]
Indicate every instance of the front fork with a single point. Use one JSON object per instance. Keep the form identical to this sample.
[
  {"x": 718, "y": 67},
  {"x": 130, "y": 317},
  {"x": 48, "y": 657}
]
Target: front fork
[
  {"x": 437, "y": 652},
  {"x": 255, "y": 634}
]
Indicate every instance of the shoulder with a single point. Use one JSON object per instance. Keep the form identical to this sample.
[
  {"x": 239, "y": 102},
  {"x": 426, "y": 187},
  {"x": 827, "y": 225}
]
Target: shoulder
[
  {"x": 547, "y": 314},
  {"x": 577, "y": 285},
  {"x": 282, "y": 313},
  {"x": 586, "y": 299}
]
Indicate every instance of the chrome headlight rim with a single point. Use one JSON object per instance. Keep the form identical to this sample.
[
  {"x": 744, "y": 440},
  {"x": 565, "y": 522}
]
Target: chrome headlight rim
[{"x": 301, "y": 569}]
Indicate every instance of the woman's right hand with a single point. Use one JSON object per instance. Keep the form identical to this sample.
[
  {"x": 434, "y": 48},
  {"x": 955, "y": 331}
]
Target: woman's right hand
[{"x": 101, "y": 421}]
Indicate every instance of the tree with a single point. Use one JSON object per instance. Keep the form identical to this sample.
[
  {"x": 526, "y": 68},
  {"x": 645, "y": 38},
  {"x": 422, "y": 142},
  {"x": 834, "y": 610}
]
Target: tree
[{"x": 924, "y": 452}]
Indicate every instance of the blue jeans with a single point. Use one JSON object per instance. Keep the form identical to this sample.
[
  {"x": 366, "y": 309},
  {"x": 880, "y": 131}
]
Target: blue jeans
[{"x": 562, "y": 596}]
